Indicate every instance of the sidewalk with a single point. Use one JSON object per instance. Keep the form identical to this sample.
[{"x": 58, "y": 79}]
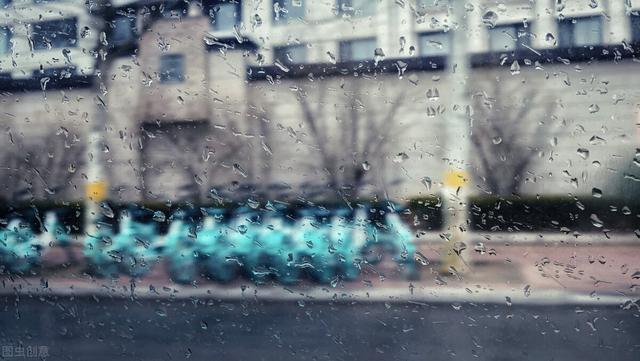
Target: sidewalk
[{"x": 523, "y": 271}]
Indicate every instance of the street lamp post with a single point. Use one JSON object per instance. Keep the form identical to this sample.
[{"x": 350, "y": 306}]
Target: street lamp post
[{"x": 457, "y": 133}]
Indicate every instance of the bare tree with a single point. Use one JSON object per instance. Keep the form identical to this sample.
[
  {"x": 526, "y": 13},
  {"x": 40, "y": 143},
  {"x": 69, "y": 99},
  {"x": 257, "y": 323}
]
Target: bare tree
[
  {"x": 360, "y": 139},
  {"x": 187, "y": 157},
  {"x": 508, "y": 136},
  {"x": 41, "y": 168}
]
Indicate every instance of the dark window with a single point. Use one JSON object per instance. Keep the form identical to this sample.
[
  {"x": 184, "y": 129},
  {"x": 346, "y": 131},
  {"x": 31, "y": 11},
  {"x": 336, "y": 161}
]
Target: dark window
[
  {"x": 508, "y": 37},
  {"x": 434, "y": 44},
  {"x": 287, "y": 10},
  {"x": 55, "y": 34},
  {"x": 357, "y": 7},
  {"x": 175, "y": 9},
  {"x": 172, "y": 68},
  {"x": 635, "y": 28},
  {"x": 583, "y": 31},
  {"x": 292, "y": 54},
  {"x": 354, "y": 50},
  {"x": 5, "y": 40},
  {"x": 224, "y": 15},
  {"x": 123, "y": 30}
]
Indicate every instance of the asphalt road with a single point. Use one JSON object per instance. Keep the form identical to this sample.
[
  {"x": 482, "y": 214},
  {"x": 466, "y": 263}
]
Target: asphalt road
[{"x": 88, "y": 328}]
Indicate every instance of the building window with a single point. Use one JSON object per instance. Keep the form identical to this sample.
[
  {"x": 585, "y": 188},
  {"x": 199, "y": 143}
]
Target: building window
[
  {"x": 5, "y": 40},
  {"x": 355, "y": 50},
  {"x": 292, "y": 54},
  {"x": 434, "y": 44},
  {"x": 357, "y": 7},
  {"x": 224, "y": 14},
  {"x": 580, "y": 32},
  {"x": 172, "y": 68},
  {"x": 635, "y": 28},
  {"x": 508, "y": 37},
  {"x": 176, "y": 9},
  {"x": 55, "y": 34},
  {"x": 285, "y": 11},
  {"x": 431, "y": 5},
  {"x": 123, "y": 31}
]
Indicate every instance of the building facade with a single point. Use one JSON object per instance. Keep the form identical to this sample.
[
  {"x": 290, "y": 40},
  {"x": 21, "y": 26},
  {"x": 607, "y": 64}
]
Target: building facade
[{"x": 298, "y": 98}]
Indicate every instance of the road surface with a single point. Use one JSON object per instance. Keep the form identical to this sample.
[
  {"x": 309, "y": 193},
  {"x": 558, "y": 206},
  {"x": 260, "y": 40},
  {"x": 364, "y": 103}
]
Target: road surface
[{"x": 93, "y": 328}]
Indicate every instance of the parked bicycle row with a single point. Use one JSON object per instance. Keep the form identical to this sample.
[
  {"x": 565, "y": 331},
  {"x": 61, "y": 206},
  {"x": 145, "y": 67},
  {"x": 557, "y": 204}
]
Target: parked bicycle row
[{"x": 222, "y": 245}]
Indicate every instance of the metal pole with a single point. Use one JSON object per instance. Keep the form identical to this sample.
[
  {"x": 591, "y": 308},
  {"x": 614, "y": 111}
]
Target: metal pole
[
  {"x": 96, "y": 189},
  {"x": 457, "y": 133}
]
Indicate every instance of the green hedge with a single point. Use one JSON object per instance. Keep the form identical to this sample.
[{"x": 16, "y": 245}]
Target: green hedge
[{"x": 487, "y": 214}]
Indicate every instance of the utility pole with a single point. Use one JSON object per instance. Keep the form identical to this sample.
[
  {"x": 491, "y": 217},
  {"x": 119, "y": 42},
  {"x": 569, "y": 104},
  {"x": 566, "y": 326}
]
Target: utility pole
[
  {"x": 457, "y": 135},
  {"x": 96, "y": 189}
]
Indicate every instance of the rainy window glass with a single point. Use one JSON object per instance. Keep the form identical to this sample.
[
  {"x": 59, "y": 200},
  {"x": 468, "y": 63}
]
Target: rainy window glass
[
  {"x": 580, "y": 31},
  {"x": 357, "y": 7},
  {"x": 507, "y": 37},
  {"x": 5, "y": 38},
  {"x": 172, "y": 68},
  {"x": 319, "y": 180},
  {"x": 360, "y": 49},
  {"x": 224, "y": 14},
  {"x": 123, "y": 30},
  {"x": 434, "y": 44},
  {"x": 288, "y": 10},
  {"x": 635, "y": 28},
  {"x": 294, "y": 54},
  {"x": 54, "y": 34}
]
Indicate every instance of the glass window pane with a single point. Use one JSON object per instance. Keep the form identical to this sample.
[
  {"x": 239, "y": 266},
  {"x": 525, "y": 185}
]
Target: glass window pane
[
  {"x": 354, "y": 50},
  {"x": 172, "y": 68},
  {"x": 434, "y": 44},
  {"x": 288, "y": 10},
  {"x": 293, "y": 54},
  {"x": 54, "y": 34},
  {"x": 503, "y": 38},
  {"x": 225, "y": 16},
  {"x": 635, "y": 28},
  {"x": 5, "y": 37},
  {"x": 357, "y": 7},
  {"x": 587, "y": 31},
  {"x": 123, "y": 30}
]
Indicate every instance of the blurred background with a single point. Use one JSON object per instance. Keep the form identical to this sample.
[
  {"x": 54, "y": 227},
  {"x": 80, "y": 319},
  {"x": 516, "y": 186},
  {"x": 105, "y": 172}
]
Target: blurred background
[{"x": 456, "y": 151}]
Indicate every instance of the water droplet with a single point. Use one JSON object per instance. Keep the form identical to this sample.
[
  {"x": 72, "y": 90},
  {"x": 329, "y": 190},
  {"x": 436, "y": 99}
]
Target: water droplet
[
  {"x": 496, "y": 140},
  {"x": 583, "y": 153},
  {"x": 594, "y": 108},
  {"x": 159, "y": 216},
  {"x": 427, "y": 182},
  {"x": 515, "y": 68},
  {"x": 420, "y": 258},
  {"x": 378, "y": 55},
  {"x": 366, "y": 166},
  {"x": 433, "y": 94},
  {"x": 204, "y": 325},
  {"x": 106, "y": 210},
  {"x": 400, "y": 157},
  {"x": 596, "y": 193},
  {"x": 527, "y": 290},
  {"x": 489, "y": 18},
  {"x": 596, "y": 221},
  {"x": 332, "y": 58},
  {"x": 242, "y": 229},
  {"x": 550, "y": 38}
]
